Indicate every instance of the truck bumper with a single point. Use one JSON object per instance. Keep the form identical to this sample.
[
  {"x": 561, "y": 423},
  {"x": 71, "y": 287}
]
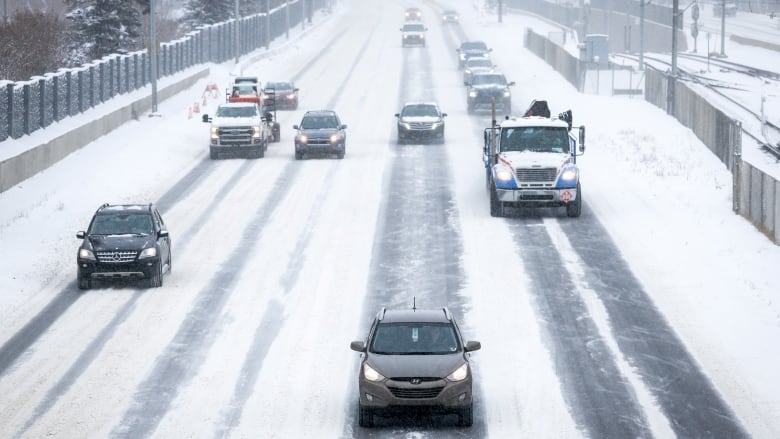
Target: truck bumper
[{"x": 537, "y": 197}]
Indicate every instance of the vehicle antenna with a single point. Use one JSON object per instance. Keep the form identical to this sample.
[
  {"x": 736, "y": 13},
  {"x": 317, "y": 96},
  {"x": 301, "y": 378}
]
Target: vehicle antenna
[{"x": 414, "y": 303}]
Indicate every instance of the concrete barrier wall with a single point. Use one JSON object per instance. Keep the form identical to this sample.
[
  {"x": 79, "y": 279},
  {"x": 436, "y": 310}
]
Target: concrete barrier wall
[
  {"x": 562, "y": 61},
  {"x": 18, "y": 168},
  {"x": 760, "y": 200}
]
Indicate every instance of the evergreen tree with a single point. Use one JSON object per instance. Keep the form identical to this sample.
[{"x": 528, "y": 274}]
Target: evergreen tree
[
  {"x": 104, "y": 27},
  {"x": 203, "y": 12}
]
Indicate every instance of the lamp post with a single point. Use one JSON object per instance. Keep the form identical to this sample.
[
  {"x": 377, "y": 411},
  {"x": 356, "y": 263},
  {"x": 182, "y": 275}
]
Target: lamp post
[
  {"x": 153, "y": 52},
  {"x": 238, "y": 24}
]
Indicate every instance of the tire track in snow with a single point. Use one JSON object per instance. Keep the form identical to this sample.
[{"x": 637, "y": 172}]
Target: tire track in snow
[
  {"x": 600, "y": 399},
  {"x": 685, "y": 395},
  {"x": 417, "y": 249},
  {"x": 271, "y": 323}
]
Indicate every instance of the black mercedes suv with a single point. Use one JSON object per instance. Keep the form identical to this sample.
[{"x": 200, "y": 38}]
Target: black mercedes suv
[
  {"x": 414, "y": 358},
  {"x": 124, "y": 242}
]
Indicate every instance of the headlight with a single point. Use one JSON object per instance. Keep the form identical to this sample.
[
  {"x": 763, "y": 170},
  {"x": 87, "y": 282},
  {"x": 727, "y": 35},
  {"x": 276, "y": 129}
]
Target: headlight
[
  {"x": 472, "y": 94},
  {"x": 86, "y": 254},
  {"x": 507, "y": 93},
  {"x": 302, "y": 138},
  {"x": 435, "y": 125},
  {"x": 334, "y": 138},
  {"x": 422, "y": 35},
  {"x": 406, "y": 36},
  {"x": 406, "y": 125},
  {"x": 569, "y": 175},
  {"x": 467, "y": 71},
  {"x": 148, "y": 253},
  {"x": 462, "y": 56},
  {"x": 214, "y": 133},
  {"x": 255, "y": 132},
  {"x": 503, "y": 174},
  {"x": 460, "y": 373},
  {"x": 373, "y": 375},
  {"x": 290, "y": 96}
]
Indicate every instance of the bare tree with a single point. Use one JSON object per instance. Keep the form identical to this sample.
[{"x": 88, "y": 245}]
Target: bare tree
[{"x": 24, "y": 53}]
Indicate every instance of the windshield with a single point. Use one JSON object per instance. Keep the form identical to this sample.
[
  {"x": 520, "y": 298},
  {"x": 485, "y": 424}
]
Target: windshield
[
  {"x": 489, "y": 79},
  {"x": 319, "y": 123},
  {"x": 278, "y": 86},
  {"x": 420, "y": 110},
  {"x": 122, "y": 224},
  {"x": 414, "y": 28},
  {"x": 538, "y": 139},
  {"x": 247, "y": 111},
  {"x": 414, "y": 339},
  {"x": 473, "y": 45}
]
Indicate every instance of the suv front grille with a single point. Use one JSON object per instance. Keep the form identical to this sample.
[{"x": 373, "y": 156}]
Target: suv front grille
[
  {"x": 116, "y": 257},
  {"x": 536, "y": 174},
  {"x": 421, "y": 125},
  {"x": 430, "y": 392},
  {"x": 237, "y": 135}
]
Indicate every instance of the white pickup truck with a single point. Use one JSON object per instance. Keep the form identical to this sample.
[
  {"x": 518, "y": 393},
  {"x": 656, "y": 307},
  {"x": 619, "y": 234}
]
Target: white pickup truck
[{"x": 238, "y": 128}]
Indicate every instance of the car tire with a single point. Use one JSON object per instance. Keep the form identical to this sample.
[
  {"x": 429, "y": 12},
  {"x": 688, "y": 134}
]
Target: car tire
[
  {"x": 156, "y": 280},
  {"x": 365, "y": 417},
  {"x": 466, "y": 416},
  {"x": 573, "y": 210},
  {"x": 496, "y": 206},
  {"x": 170, "y": 262},
  {"x": 85, "y": 282},
  {"x": 214, "y": 155},
  {"x": 298, "y": 155},
  {"x": 470, "y": 109}
]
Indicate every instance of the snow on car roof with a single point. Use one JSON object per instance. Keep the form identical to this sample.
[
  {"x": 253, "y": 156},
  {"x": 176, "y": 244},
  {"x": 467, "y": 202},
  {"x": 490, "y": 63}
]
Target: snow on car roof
[{"x": 533, "y": 121}]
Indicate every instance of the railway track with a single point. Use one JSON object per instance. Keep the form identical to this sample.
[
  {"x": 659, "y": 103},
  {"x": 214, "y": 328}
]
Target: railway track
[{"x": 717, "y": 87}]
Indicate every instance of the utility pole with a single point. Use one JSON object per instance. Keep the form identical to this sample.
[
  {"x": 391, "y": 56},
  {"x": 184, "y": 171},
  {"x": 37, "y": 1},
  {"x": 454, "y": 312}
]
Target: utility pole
[
  {"x": 642, "y": 4},
  {"x": 670, "y": 97},
  {"x": 238, "y": 24},
  {"x": 153, "y": 52},
  {"x": 267, "y": 24},
  {"x": 723, "y": 28}
]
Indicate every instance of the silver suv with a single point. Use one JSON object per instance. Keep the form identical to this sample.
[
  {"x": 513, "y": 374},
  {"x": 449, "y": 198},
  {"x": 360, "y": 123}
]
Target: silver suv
[{"x": 415, "y": 358}]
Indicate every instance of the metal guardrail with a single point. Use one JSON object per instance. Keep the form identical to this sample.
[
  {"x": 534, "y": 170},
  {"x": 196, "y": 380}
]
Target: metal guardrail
[{"x": 28, "y": 106}]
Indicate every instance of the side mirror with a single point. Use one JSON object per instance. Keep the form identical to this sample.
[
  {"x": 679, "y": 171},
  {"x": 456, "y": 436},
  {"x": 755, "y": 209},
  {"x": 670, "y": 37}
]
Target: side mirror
[
  {"x": 343, "y": 127},
  {"x": 444, "y": 115},
  {"x": 467, "y": 84},
  {"x": 162, "y": 234},
  {"x": 80, "y": 235},
  {"x": 358, "y": 346},
  {"x": 511, "y": 84},
  {"x": 457, "y": 50},
  {"x": 472, "y": 346},
  {"x": 582, "y": 140},
  {"x": 206, "y": 118},
  {"x": 490, "y": 50},
  {"x": 397, "y": 114},
  {"x": 295, "y": 90},
  {"x": 269, "y": 117}
]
